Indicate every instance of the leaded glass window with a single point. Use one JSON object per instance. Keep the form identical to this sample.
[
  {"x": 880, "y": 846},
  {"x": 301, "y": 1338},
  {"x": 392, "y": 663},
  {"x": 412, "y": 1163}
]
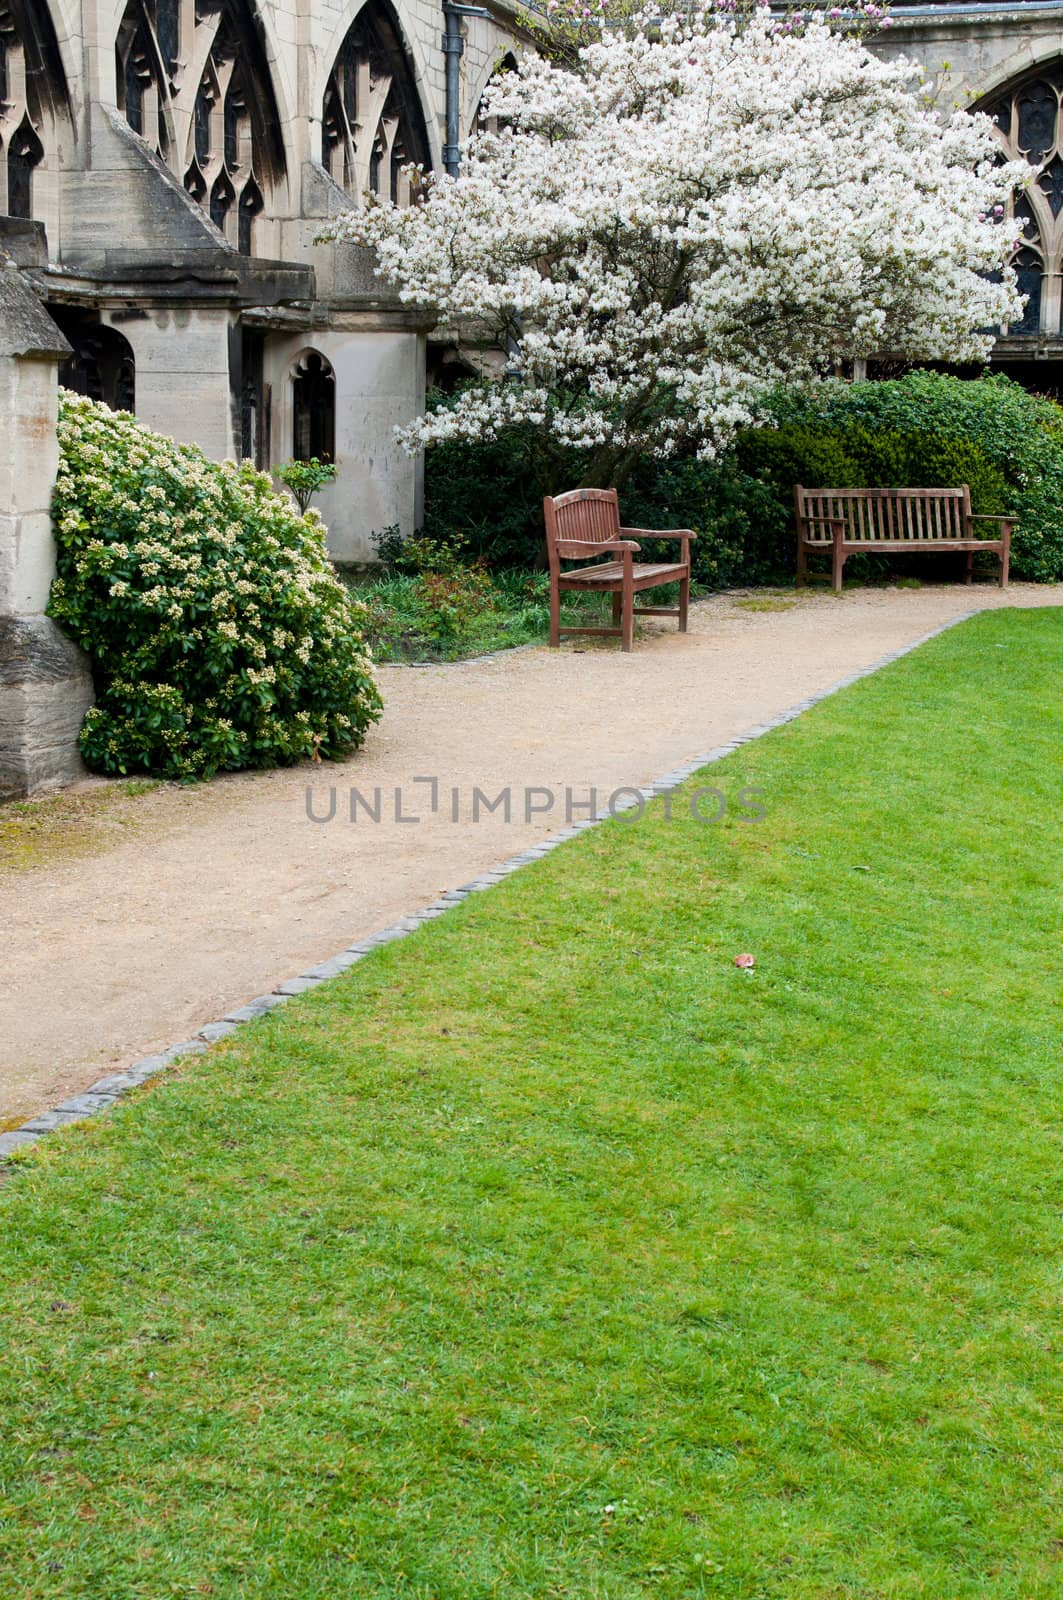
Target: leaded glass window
[{"x": 1029, "y": 126}]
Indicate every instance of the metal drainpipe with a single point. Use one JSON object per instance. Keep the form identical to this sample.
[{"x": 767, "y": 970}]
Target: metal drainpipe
[{"x": 453, "y": 50}]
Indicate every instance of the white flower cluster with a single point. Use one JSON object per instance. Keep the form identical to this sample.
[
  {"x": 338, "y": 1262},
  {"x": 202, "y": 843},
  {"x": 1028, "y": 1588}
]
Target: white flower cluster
[
  {"x": 707, "y": 205},
  {"x": 219, "y": 634}
]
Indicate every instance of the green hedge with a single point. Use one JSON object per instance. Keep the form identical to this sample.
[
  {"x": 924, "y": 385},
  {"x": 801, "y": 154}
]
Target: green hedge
[
  {"x": 218, "y": 633},
  {"x": 923, "y": 430},
  {"x": 1018, "y": 435}
]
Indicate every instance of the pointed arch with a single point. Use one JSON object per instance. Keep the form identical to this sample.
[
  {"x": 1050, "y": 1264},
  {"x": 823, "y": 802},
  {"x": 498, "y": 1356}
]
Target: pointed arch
[
  {"x": 482, "y": 122},
  {"x": 194, "y": 81},
  {"x": 101, "y": 363},
  {"x": 1027, "y": 115},
  {"x": 372, "y": 122},
  {"x": 313, "y": 407},
  {"x": 34, "y": 101}
]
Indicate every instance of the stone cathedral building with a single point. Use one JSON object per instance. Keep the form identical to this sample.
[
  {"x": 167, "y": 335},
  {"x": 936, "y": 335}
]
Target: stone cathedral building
[{"x": 166, "y": 167}]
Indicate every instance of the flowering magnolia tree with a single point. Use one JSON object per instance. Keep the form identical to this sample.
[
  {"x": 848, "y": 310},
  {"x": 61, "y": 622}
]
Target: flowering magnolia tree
[{"x": 689, "y": 210}]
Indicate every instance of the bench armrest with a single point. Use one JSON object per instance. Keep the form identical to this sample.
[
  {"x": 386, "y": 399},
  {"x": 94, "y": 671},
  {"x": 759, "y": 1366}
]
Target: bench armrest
[
  {"x": 662, "y": 533},
  {"x": 984, "y": 516},
  {"x": 577, "y": 548}
]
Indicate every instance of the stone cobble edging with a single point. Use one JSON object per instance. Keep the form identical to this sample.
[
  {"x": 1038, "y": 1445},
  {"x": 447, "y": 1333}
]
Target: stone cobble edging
[{"x": 103, "y": 1094}]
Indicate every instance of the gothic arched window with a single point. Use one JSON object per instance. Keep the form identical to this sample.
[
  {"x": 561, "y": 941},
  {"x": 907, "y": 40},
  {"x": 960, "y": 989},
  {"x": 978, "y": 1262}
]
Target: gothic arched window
[
  {"x": 1029, "y": 127},
  {"x": 102, "y": 364},
  {"x": 217, "y": 127},
  {"x": 32, "y": 91},
  {"x": 484, "y": 123},
  {"x": 372, "y": 124},
  {"x": 313, "y": 409}
]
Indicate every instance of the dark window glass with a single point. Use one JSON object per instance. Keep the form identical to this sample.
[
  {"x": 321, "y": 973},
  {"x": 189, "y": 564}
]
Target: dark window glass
[
  {"x": 221, "y": 199},
  {"x": 1030, "y": 273},
  {"x": 166, "y": 31},
  {"x": 203, "y": 124},
  {"x": 250, "y": 206},
  {"x": 23, "y": 154},
  {"x": 1037, "y": 107},
  {"x": 134, "y": 96},
  {"x": 1050, "y": 184},
  {"x": 314, "y": 409}
]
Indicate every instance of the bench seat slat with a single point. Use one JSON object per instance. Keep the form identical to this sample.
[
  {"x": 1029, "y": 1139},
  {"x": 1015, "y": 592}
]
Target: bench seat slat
[
  {"x": 853, "y": 547},
  {"x": 613, "y": 572}
]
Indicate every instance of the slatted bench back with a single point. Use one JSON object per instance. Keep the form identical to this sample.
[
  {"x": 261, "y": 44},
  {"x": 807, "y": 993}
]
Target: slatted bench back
[
  {"x": 884, "y": 516},
  {"x": 591, "y": 516}
]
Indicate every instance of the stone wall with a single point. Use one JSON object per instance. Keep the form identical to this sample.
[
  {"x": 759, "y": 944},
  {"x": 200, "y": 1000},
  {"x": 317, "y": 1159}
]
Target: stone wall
[{"x": 45, "y": 688}]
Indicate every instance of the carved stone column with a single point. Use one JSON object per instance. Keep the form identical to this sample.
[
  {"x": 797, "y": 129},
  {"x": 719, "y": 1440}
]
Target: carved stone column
[{"x": 45, "y": 685}]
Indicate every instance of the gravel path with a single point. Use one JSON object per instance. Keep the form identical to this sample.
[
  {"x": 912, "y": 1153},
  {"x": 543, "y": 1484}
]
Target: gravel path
[{"x": 221, "y": 891}]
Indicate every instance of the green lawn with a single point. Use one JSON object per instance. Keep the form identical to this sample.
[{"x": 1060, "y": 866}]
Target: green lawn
[{"x": 548, "y": 1254}]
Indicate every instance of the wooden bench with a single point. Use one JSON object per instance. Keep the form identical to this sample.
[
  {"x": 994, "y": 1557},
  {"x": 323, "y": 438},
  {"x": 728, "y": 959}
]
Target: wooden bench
[
  {"x": 585, "y": 523},
  {"x": 845, "y": 522}
]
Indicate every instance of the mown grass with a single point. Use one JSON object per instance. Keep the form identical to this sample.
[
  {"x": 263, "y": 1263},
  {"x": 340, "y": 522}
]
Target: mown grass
[{"x": 548, "y": 1254}]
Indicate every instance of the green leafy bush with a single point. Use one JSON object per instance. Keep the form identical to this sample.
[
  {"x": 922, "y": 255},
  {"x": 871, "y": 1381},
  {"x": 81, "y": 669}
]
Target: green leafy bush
[
  {"x": 487, "y": 498},
  {"x": 738, "y": 520},
  {"x": 923, "y": 430},
  {"x": 1018, "y": 437},
  {"x": 490, "y": 495},
  {"x": 218, "y": 634},
  {"x": 305, "y": 478}
]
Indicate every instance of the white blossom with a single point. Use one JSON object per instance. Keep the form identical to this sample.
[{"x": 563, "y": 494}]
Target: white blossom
[{"x": 703, "y": 206}]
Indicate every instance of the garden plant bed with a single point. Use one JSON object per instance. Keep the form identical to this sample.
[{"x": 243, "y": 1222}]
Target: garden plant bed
[
  {"x": 513, "y": 609},
  {"x": 549, "y": 1252}
]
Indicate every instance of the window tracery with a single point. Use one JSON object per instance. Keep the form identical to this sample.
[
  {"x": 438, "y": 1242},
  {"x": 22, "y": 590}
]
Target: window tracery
[
  {"x": 193, "y": 82},
  {"x": 371, "y": 121},
  {"x": 32, "y": 88},
  {"x": 1029, "y": 126}
]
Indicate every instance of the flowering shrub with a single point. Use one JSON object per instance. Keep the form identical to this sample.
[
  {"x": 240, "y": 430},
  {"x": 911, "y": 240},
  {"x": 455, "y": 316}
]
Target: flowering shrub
[
  {"x": 698, "y": 206},
  {"x": 218, "y": 634}
]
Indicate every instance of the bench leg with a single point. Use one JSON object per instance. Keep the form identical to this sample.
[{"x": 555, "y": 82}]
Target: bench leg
[
  {"x": 627, "y": 621},
  {"x": 968, "y": 570},
  {"x": 837, "y": 566},
  {"x": 802, "y": 565},
  {"x": 684, "y": 602},
  {"x": 555, "y": 616},
  {"x": 1005, "y": 558}
]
